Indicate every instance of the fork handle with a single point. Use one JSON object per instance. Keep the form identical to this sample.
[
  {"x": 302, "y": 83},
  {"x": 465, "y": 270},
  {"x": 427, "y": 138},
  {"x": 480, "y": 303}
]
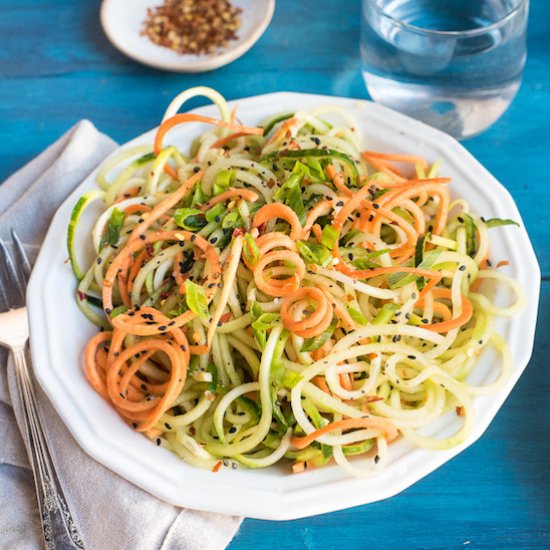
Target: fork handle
[{"x": 59, "y": 529}]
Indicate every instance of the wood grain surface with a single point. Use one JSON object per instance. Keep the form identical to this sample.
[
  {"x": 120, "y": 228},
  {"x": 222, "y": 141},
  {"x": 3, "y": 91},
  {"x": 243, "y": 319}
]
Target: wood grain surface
[{"x": 57, "y": 67}]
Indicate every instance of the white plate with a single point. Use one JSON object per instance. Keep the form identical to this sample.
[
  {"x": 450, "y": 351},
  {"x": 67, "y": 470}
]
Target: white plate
[
  {"x": 59, "y": 333},
  {"x": 122, "y": 21}
]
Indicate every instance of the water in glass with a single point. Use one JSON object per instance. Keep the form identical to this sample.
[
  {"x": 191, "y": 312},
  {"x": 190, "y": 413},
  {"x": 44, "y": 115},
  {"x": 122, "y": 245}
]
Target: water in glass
[{"x": 455, "y": 64}]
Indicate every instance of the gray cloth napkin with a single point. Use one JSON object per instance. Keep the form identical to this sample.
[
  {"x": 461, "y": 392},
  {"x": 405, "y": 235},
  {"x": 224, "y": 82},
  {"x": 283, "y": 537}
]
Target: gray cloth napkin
[{"x": 110, "y": 512}]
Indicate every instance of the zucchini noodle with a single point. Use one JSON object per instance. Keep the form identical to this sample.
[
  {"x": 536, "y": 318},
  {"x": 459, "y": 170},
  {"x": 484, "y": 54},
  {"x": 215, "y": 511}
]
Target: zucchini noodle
[{"x": 277, "y": 293}]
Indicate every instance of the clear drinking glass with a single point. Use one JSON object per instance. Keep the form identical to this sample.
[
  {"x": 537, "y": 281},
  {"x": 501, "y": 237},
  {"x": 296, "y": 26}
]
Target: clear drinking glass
[{"x": 455, "y": 64}]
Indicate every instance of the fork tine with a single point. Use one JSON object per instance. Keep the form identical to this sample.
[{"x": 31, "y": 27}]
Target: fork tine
[
  {"x": 4, "y": 303},
  {"x": 21, "y": 258},
  {"x": 12, "y": 286}
]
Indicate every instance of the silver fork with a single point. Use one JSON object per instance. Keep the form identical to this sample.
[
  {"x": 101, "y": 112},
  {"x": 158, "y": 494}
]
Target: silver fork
[{"x": 58, "y": 527}]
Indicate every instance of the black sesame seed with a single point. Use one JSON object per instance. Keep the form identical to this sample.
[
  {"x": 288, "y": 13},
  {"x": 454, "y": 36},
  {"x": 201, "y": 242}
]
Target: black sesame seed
[
  {"x": 232, "y": 430},
  {"x": 411, "y": 356},
  {"x": 196, "y": 169},
  {"x": 376, "y": 205},
  {"x": 376, "y": 459},
  {"x": 462, "y": 268},
  {"x": 99, "y": 260},
  {"x": 163, "y": 328},
  {"x": 158, "y": 441},
  {"x": 340, "y": 203},
  {"x": 142, "y": 237},
  {"x": 134, "y": 425},
  {"x": 168, "y": 427},
  {"x": 108, "y": 310},
  {"x": 460, "y": 219}
]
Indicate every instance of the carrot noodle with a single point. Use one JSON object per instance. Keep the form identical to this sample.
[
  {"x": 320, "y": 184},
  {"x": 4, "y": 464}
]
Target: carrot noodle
[
  {"x": 244, "y": 194},
  {"x": 287, "y": 297},
  {"x": 271, "y": 211},
  {"x": 294, "y": 306}
]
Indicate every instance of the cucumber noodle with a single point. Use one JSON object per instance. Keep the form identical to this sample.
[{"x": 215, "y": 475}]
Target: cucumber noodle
[{"x": 280, "y": 293}]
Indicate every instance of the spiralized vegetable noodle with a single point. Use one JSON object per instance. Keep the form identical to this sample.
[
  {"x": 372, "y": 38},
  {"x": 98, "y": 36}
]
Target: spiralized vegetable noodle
[{"x": 281, "y": 293}]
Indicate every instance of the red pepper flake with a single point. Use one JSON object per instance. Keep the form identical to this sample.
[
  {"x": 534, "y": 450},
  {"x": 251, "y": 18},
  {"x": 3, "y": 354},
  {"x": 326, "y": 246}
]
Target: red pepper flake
[
  {"x": 226, "y": 317},
  {"x": 460, "y": 411},
  {"x": 81, "y": 295},
  {"x": 217, "y": 466},
  {"x": 374, "y": 398},
  {"x": 193, "y": 26}
]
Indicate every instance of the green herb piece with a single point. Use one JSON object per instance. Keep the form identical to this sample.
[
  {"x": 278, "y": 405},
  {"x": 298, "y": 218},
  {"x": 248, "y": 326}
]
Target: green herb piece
[
  {"x": 314, "y": 253},
  {"x": 112, "y": 231},
  {"x": 190, "y": 219},
  {"x": 498, "y": 222},
  {"x": 311, "y": 344},
  {"x": 196, "y": 299},
  {"x": 117, "y": 311},
  {"x": 213, "y": 384},
  {"x": 385, "y": 314},
  {"x": 399, "y": 280},
  {"x": 223, "y": 181},
  {"x": 251, "y": 250},
  {"x": 216, "y": 211},
  {"x": 329, "y": 236},
  {"x": 261, "y": 325}
]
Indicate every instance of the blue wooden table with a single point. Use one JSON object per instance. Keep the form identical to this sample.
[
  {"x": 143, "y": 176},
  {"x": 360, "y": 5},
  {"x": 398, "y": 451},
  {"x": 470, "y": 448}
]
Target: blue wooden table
[{"x": 57, "y": 67}]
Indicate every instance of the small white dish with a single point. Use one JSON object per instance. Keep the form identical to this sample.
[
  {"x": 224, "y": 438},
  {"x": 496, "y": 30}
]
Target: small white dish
[
  {"x": 59, "y": 332},
  {"x": 122, "y": 21}
]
